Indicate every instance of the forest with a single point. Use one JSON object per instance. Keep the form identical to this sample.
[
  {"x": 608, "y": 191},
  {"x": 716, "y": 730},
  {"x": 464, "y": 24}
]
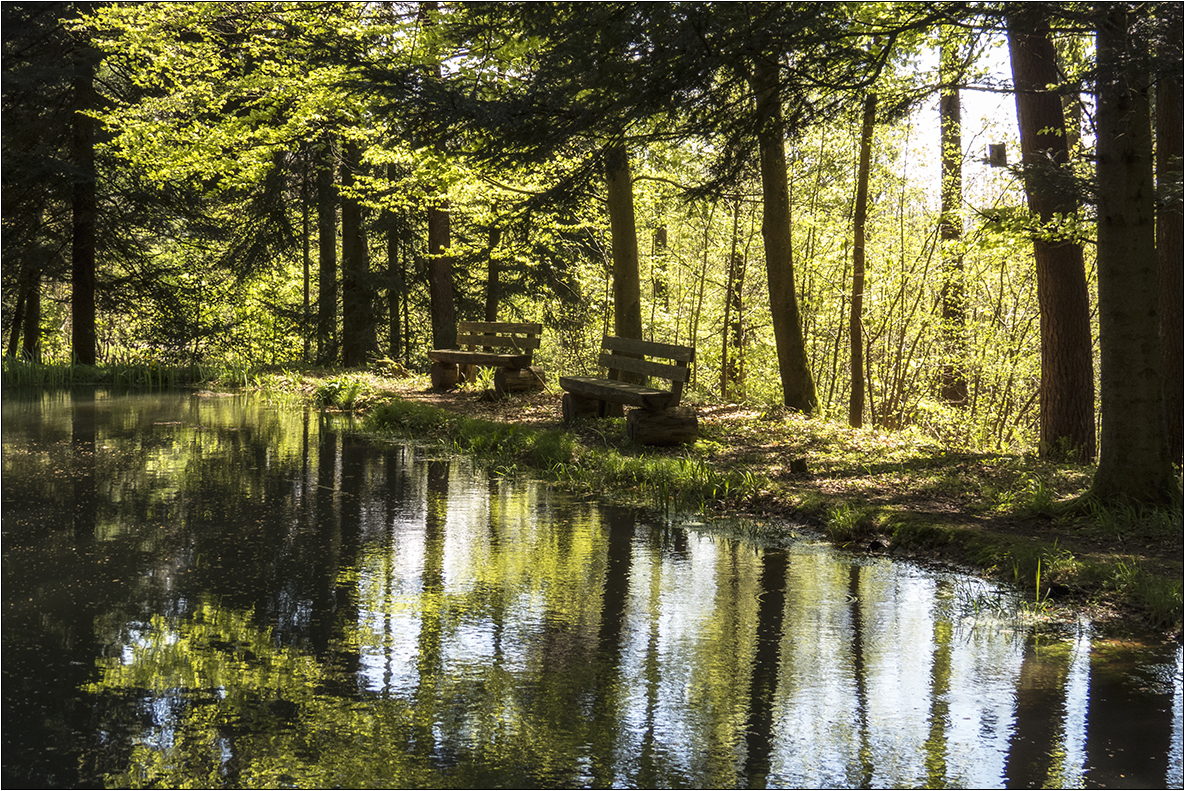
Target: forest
[{"x": 964, "y": 218}]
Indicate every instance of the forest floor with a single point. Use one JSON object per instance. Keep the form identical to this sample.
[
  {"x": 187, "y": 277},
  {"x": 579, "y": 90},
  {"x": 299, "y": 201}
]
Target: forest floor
[{"x": 896, "y": 493}]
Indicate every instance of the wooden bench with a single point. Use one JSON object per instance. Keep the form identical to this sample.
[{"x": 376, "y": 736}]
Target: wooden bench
[
  {"x": 657, "y": 419},
  {"x": 507, "y": 346}
]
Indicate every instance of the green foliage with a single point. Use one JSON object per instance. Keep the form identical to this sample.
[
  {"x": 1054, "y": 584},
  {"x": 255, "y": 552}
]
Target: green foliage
[{"x": 343, "y": 392}]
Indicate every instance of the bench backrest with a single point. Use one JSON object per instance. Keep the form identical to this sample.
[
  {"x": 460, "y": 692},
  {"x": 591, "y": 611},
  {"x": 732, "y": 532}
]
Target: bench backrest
[
  {"x": 629, "y": 355},
  {"x": 520, "y": 336}
]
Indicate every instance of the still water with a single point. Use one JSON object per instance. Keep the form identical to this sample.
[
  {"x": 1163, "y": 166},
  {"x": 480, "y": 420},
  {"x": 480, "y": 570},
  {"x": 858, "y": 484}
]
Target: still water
[{"x": 214, "y": 592}]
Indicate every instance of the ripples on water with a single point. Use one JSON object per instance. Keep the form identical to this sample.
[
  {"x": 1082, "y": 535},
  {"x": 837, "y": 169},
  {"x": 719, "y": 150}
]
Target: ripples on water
[{"x": 213, "y": 592}]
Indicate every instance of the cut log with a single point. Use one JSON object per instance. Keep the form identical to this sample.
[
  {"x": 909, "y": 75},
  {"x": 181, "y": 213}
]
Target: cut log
[
  {"x": 515, "y": 380},
  {"x": 575, "y": 405},
  {"x": 444, "y": 375},
  {"x": 674, "y": 426}
]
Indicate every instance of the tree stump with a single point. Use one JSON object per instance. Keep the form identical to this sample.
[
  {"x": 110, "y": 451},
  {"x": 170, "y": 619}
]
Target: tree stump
[
  {"x": 444, "y": 375},
  {"x": 515, "y": 380},
  {"x": 674, "y": 426}
]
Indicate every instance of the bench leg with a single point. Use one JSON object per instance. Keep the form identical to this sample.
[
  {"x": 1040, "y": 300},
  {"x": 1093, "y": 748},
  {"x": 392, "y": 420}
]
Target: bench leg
[
  {"x": 674, "y": 426},
  {"x": 514, "y": 380},
  {"x": 575, "y": 406},
  {"x": 444, "y": 375}
]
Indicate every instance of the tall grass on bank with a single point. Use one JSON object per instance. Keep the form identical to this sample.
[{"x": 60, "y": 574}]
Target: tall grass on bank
[
  {"x": 148, "y": 375},
  {"x": 666, "y": 482}
]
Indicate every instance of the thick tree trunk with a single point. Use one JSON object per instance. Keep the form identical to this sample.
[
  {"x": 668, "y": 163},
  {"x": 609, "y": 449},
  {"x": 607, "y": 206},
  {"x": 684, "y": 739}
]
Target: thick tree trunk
[
  {"x": 627, "y": 290},
  {"x": 358, "y": 326},
  {"x": 82, "y": 303},
  {"x": 31, "y": 348},
  {"x": 1067, "y": 366},
  {"x": 1133, "y": 460},
  {"x": 1171, "y": 258},
  {"x": 859, "y": 215},
  {"x": 440, "y": 277},
  {"x": 954, "y": 377},
  {"x": 326, "y": 253},
  {"x": 798, "y": 386}
]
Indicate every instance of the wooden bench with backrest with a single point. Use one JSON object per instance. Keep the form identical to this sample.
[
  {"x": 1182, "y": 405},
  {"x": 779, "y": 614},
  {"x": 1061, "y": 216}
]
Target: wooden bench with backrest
[
  {"x": 506, "y": 346},
  {"x": 633, "y": 367}
]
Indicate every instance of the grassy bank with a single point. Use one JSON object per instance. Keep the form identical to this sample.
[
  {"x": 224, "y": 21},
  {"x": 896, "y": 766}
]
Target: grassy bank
[{"x": 899, "y": 493}]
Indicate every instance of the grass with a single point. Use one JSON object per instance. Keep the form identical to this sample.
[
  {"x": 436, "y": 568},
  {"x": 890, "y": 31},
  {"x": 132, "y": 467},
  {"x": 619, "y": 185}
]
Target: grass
[{"x": 130, "y": 374}]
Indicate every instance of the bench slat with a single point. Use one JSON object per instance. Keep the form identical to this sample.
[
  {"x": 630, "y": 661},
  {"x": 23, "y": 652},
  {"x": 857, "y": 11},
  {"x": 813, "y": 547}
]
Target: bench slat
[
  {"x": 673, "y": 373},
  {"x": 618, "y": 392},
  {"x": 459, "y": 357},
  {"x": 499, "y": 341},
  {"x": 683, "y": 354},
  {"x": 503, "y": 327}
]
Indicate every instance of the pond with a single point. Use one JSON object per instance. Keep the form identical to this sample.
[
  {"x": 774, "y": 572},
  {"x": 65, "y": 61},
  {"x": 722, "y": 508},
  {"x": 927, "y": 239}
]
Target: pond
[{"x": 217, "y": 592}]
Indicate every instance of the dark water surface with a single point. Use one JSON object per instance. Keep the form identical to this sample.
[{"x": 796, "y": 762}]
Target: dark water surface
[{"x": 212, "y": 592}]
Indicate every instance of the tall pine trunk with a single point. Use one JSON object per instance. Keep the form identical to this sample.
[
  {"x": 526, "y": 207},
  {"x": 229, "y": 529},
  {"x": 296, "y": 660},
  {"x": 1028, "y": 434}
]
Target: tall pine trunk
[
  {"x": 798, "y": 386},
  {"x": 85, "y": 208},
  {"x": 954, "y": 376},
  {"x": 1133, "y": 458},
  {"x": 358, "y": 326},
  {"x": 440, "y": 276},
  {"x": 627, "y": 290},
  {"x": 859, "y": 215},
  {"x": 1171, "y": 257},
  {"x": 1067, "y": 366},
  {"x": 326, "y": 253}
]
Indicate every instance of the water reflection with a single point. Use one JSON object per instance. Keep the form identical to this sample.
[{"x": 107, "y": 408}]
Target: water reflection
[{"x": 212, "y": 592}]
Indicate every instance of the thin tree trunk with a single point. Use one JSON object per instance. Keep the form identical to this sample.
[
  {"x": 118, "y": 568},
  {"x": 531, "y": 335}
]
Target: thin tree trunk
[
  {"x": 394, "y": 278},
  {"x": 1134, "y": 459},
  {"x": 954, "y": 377},
  {"x": 1171, "y": 258},
  {"x": 82, "y": 303},
  {"x": 326, "y": 253},
  {"x": 305, "y": 227},
  {"x": 859, "y": 215},
  {"x": 493, "y": 279},
  {"x": 798, "y": 386},
  {"x": 729, "y": 364},
  {"x": 1067, "y": 365},
  {"x": 18, "y": 318},
  {"x": 357, "y": 299}
]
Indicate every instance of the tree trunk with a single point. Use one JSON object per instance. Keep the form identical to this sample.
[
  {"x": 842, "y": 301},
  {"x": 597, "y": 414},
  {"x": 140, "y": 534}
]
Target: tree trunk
[
  {"x": 82, "y": 303},
  {"x": 627, "y": 291},
  {"x": 1067, "y": 366},
  {"x": 731, "y": 364},
  {"x": 358, "y": 324},
  {"x": 31, "y": 348},
  {"x": 1134, "y": 460},
  {"x": 493, "y": 277},
  {"x": 440, "y": 277},
  {"x": 798, "y": 387},
  {"x": 306, "y": 258},
  {"x": 954, "y": 377},
  {"x": 1171, "y": 257},
  {"x": 326, "y": 253},
  {"x": 395, "y": 281},
  {"x": 859, "y": 215}
]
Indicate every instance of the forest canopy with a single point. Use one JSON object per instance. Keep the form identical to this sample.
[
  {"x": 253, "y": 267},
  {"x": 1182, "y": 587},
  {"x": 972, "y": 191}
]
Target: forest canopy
[{"x": 963, "y": 218}]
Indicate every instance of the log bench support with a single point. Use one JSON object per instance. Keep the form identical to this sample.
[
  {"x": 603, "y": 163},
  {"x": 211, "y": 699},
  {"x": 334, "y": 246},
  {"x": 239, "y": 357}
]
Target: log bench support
[
  {"x": 506, "y": 346},
  {"x": 657, "y": 418}
]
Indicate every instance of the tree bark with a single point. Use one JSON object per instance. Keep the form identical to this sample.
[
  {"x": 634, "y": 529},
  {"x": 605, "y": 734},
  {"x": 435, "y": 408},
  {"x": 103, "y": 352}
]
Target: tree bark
[
  {"x": 358, "y": 325},
  {"x": 954, "y": 377},
  {"x": 1067, "y": 366},
  {"x": 395, "y": 278},
  {"x": 1171, "y": 257},
  {"x": 627, "y": 290},
  {"x": 326, "y": 253},
  {"x": 440, "y": 276},
  {"x": 31, "y": 347},
  {"x": 493, "y": 277},
  {"x": 85, "y": 209},
  {"x": 798, "y": 386},
  {"x": 859, "y": 215},
  {"x": 1133, "y": 460}
]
